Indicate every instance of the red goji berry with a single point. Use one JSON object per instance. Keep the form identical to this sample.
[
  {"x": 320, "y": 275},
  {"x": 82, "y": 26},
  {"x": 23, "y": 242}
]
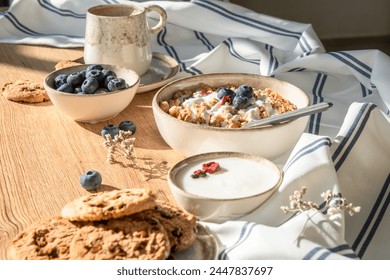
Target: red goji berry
[{"x": 211, "y": 167}]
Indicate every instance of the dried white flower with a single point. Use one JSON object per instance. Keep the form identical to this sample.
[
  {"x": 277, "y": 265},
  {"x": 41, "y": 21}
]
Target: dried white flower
[{"x": 334, "y": 201}]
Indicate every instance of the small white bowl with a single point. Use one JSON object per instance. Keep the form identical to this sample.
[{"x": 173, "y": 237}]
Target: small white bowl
[
  {"x": 241, "y": 185},
  {"x": 271, "y": 142},
  {"x": 92, "y": 108}
]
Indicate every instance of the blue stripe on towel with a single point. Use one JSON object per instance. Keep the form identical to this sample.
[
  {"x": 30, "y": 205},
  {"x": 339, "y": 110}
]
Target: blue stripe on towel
[
  {"x": 351, "y": 61},
  {"x": 315, "y": 119},
  {"x": 245, "y": 232},
  {"x": 201, "y": 37},
  {"x": 62, "y": 12},
  {"x": 343, "y": 249},
  {"x": 229, "y": 43},
  {"x": 356, "y": 129},
  {"x": 373, "y": 220},
  {"x": 365, "y": 91},
  {"x": 247, "y": 20},
  {"x": 22, "y": 28},
  {"x": 169, "y": 48},
  {"x": 273, "y": 63},
  {"x": 307, "y": 150},
  {"x": 311, "y": 253}
]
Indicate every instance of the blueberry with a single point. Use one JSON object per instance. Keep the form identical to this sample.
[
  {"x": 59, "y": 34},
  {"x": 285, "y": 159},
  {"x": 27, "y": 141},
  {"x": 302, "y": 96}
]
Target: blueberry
[
  {"x": 225, "y": 92},
  {"x": 128, "y": 126},
  {"x": 107, "y": 79},
  {"x": 66, "y": 88},
  {"x": 116, "y": 84},
  {"x": 97, "y": 74},
  {"x": 90, "y": 85},
  {"x": 240, "y": 102},
  {"x": 107, "y": 72},
  {"x": 60, "y": 80},
  {"x": 245, "y": 91},
  {"x": 75, "y": 79},
  {"x": 94, "y": 67},
  {"x": 91, "y": 180},
  {"x": 110, "y": 129}
]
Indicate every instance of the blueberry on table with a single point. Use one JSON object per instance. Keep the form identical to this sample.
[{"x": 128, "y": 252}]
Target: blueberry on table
[
  {"x": 60, "y": 80},
  {"x": 128, "y": 126},
  {"x": 245, "y": 91},
  {"x": 91, "y": 180},
  {"x": 75, "y": 79},
  {"x": 90, "y": 85},
  {"x": 66, "y": 88},
  {"x": 116, "y": 84},
  {"x": 110, "y": 129},
  {"x": 222, "y": 92}
]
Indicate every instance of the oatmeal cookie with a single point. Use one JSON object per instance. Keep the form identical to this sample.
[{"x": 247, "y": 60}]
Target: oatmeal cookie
[
  {"x": 66, "y": 63},
  {"x": 46, "y": 240},
  {"x": 24, "y": 91},
  {"x": 121, "y": 239},
  {"x": 180, "y": 225},
  {"x": 108, "y": 205}
]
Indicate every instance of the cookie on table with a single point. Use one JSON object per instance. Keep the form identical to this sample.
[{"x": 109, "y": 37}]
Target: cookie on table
[
  {"x": 121, "y": 239},
  {"x": 24, "y": 91},
  {"x": 66, "y": 63},
  {"x": 180, "y": 225},
  {"x": 46, "y": 240},
  {"x": 108, "y": 205}
]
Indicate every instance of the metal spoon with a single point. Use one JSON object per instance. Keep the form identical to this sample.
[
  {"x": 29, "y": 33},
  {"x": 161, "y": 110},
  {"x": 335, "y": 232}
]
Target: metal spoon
[{"x": 292, "y": 115}]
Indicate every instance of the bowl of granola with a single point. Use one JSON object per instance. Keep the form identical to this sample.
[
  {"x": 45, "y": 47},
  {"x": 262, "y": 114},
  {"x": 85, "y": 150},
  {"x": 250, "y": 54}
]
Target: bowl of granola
[
  {"x": 208, "y": 113},
  {"x": 92, "y": 92},
  {"x": 221, "y": 186}
]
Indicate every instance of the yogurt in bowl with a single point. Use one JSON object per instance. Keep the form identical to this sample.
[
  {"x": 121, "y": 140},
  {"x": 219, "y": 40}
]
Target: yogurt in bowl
[{"x": 238, "y": 184}]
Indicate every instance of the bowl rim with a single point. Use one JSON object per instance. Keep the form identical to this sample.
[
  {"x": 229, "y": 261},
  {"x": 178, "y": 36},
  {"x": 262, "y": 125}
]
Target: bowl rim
[
  {"x": 158, "y": 109},
  {"x": 172, "y": 172},
  {"x": 54, "y": 73}
]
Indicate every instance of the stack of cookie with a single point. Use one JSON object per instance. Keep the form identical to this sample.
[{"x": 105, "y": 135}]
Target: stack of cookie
[{"x": 116, "y": 225}]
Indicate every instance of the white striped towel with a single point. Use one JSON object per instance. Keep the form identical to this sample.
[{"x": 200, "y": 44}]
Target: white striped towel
[{"x": 345, "y": 149}]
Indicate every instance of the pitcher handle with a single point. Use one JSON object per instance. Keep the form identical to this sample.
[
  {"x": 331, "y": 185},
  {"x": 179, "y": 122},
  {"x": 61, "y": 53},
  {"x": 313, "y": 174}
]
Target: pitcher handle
[{"x": 162, "y": 17}]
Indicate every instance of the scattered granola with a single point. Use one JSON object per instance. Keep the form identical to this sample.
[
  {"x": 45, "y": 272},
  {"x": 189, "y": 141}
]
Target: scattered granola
[{"x": 333, "y": 203}]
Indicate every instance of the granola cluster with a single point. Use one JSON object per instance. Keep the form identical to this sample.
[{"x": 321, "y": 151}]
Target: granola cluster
[{"x": 206, "y": 105}]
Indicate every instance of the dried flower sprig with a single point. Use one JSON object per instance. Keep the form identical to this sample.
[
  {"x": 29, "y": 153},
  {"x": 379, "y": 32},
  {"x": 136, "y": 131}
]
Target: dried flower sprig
[
  {"x": 333, "y": 203},
  {"x": 122, "y": 145}
]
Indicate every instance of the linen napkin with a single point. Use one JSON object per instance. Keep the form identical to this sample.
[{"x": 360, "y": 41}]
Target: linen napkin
[{"x": 345, "y": 150}]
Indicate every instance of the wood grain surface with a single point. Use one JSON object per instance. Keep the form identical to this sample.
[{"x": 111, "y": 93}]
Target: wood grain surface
[{"x": 43, "y": 152}]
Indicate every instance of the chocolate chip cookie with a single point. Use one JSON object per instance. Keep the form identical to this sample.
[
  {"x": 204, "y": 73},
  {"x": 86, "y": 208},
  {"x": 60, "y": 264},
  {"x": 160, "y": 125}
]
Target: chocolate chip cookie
[
  {"x": 108, "y": 205},
  {"x": 46, "y": 240},
  {"x": 180, "y": 225},
  {"x": 24, "y": 91},
  {"x": 121, "y": 239}
]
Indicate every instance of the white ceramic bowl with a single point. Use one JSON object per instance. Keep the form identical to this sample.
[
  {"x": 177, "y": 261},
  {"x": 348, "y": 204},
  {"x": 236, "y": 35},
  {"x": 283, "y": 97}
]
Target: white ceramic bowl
[
  {"x": 241, "y": 185},
  {"x": 92, "y": 108},
  {"x": 189, "y": 139}
]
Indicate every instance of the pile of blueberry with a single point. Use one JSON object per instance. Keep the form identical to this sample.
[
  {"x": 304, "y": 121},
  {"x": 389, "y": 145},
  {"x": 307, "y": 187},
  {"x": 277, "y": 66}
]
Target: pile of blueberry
[
  {"x": 94, "y": 79},
  {"x": 240, "y": 98}
]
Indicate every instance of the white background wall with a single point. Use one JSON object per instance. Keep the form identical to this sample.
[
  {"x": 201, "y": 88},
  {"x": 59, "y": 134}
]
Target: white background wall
[{"x": 330, "y": 18}]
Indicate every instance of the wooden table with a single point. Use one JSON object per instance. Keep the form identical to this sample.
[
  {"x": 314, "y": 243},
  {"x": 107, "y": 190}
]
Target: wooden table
[{"x": 43, "y": 152}]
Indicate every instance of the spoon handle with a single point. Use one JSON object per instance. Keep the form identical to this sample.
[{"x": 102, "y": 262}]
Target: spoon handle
[{"x": 292, "y": 115}]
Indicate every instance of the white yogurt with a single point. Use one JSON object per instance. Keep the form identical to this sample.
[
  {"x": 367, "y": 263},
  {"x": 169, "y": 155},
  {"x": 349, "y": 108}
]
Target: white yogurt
[{"x": 237, "y": 178}]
